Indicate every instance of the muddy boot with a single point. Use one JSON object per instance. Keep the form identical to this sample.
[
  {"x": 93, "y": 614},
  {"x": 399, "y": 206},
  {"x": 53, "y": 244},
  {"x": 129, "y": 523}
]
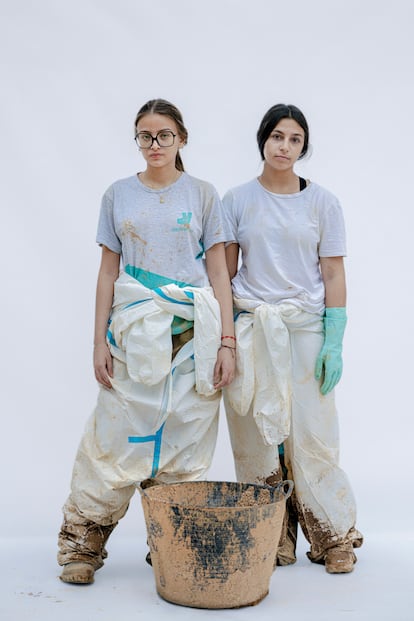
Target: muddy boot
[
  {"x": 287, "y": 542},
  {"x": 78, "y": 573},
  {"x": 82, "y": 550},
  {"x": 286, "y": 554},
  {"x": 340, "y": 559}
]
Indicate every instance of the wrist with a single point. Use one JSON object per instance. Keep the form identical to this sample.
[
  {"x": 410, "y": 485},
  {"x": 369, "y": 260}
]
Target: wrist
[
  {"x": 228, "y": 339},
  {"x": 229, "y": 348}
]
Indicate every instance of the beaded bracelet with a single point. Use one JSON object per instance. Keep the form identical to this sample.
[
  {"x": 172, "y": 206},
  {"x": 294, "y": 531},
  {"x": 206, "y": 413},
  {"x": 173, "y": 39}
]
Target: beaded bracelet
[{"x": 228, "y": 337}]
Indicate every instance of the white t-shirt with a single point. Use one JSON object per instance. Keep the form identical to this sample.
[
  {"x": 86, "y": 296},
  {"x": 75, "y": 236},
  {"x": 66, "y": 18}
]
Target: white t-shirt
[
  {"x": 162, "y": 234},
  {"x": 282, "y": 237}
]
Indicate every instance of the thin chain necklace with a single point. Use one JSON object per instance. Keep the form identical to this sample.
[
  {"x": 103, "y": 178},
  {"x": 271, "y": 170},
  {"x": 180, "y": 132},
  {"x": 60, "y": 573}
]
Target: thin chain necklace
[{"x": 167, "y": 187}]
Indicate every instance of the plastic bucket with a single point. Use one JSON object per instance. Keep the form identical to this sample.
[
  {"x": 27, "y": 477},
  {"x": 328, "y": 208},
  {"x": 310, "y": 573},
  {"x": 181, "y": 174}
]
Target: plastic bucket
[{"x": 213, "y": 544}]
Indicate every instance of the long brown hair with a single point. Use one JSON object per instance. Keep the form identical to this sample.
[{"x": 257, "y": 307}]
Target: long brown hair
[{"x": 161, "y": 106}]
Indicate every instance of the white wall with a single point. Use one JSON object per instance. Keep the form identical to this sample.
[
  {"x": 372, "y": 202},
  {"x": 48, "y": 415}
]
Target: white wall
[{"x": 73, "y": 76}]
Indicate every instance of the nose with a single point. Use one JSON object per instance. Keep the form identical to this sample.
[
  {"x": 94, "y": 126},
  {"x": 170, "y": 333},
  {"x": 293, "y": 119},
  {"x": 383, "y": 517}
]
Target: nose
[
  {"x": 155, "y": 144},
  {"x": 284, "y": 145}
]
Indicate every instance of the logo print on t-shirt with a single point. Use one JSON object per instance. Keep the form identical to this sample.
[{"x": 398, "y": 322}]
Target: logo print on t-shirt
[
  {"x": 184, "y": 221},
  {"x": 185, "y": 218}
]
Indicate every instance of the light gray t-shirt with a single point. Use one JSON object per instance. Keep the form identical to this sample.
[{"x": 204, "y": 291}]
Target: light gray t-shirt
[
  {"x": 282, "y": 237},
  {"x": 162, "y": 234}
]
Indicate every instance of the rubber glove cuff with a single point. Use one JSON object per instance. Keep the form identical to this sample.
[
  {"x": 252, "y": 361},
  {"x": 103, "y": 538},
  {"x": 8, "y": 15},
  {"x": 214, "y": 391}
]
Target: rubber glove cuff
[{"x": 338, "y": 313}]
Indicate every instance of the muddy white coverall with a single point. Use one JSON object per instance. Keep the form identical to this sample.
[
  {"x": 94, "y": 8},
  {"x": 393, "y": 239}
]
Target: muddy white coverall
[
  {"x": 275, "y": 398},
  {"x": 160, "y": 418}
]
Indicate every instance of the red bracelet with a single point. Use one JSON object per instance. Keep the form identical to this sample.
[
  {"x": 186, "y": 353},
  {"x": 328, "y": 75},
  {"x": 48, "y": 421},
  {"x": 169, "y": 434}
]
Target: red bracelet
[{"x": 228, "y": 337}]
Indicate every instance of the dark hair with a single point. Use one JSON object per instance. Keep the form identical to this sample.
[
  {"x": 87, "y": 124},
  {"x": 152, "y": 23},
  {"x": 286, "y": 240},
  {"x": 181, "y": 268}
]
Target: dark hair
[
  {"x": 271, "y": 119},
  {"x": 161, "y": 106}
]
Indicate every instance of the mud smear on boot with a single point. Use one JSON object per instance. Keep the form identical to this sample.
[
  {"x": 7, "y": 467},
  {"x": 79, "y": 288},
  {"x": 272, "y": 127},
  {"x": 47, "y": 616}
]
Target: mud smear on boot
[
  {"x": 83, "y": 543},
  {"x": 319, "y": 535}
]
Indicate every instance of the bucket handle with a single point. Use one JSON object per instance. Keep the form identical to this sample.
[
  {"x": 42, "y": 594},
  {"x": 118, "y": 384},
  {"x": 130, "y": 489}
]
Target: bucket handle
[
  {"x": 281, "y": 487},
  {"x": 146, "y": 483}
]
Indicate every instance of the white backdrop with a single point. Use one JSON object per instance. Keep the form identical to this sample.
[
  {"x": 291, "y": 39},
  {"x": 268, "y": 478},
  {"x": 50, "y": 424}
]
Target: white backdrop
[{"x": 73, "y": 75}]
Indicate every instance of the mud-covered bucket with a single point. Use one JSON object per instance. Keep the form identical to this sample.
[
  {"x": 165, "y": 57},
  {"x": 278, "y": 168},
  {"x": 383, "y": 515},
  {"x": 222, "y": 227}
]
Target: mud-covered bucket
[{"x": 214, "y": 544}]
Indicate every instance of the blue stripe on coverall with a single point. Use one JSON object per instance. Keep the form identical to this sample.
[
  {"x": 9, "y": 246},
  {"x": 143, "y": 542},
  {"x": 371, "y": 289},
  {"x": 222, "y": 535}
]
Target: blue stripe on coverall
[{"x": 156, "y": 438}]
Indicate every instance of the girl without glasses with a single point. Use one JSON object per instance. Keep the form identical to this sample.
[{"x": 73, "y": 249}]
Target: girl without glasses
[
  {"x": 164, "y": 340},
  {"x": 290, "y": 297}
]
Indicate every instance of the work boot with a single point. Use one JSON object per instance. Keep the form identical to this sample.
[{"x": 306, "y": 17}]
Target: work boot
[
  {"x": 78, "y": 573},
  {"x": 340, "y": 559},
  {"x": 286, "y": 553},
  {"x": 83, "y": 542}
]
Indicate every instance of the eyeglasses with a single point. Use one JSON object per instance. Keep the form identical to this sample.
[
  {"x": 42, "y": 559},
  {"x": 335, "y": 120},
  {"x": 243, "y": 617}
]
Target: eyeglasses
[{"x": 164, "y": 138}]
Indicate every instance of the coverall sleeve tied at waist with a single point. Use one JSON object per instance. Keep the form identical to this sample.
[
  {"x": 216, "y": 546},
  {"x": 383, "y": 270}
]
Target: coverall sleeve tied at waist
[
  {"x": 263, "y": 374},
  {"x": 139, "y": 332}
]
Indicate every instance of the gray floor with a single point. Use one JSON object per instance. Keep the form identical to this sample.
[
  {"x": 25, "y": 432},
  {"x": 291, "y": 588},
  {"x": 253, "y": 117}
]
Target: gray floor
[{"x": 380, "y": 588}]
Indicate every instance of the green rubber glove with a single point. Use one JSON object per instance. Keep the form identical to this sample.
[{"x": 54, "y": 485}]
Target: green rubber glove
[{"x": 329, "y": 361}]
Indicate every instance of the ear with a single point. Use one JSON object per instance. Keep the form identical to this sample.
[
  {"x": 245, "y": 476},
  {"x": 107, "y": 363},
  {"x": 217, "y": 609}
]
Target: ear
[{"x": 181, "y": 141}]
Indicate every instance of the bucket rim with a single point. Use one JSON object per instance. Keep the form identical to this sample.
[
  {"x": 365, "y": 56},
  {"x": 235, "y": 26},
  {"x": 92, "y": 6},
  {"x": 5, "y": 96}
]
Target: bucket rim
[{"x": 278, "y": 493}]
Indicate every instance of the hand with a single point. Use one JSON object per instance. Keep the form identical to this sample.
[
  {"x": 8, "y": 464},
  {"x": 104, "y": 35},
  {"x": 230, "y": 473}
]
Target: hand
[
  {"x": 102, "y": 362},
  {"x": 329, "y": 360},
  {"x": 225, "y": 367},
  {"x": 328, "y": 364}
]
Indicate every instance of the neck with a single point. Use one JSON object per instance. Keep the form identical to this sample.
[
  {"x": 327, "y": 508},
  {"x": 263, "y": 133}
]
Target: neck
[
  {"x": 279, "y": 182},
  {"x": 157, "y": 178}
]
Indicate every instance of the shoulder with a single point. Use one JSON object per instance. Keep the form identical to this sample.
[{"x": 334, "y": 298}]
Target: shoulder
[
  {"x": 327, "y": 207},
  {"x": 202, "y": 192},
  {"x": 242, "y": 191},
  {"x": 321, "y": 194},
  {"x": 204, "y": 187},
  {"x": 119, "y": 185}
]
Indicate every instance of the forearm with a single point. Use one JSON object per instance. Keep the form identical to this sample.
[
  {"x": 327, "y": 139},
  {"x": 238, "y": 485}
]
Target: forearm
[
  {"x": 232, "y": 259},
  {"x": 333, "y": 275},
  {"x": 104, "y": 298},
  {"x": 222, "y": 293},
  {"x": 220, "y": 281},
  {"x": 108, "y": 273}
]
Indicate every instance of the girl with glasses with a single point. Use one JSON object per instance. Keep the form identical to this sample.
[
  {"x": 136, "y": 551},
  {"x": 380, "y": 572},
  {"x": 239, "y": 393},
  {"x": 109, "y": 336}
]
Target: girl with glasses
[
  {"x": 289, "y": 295},
  {"x": 164, "y": 343}
]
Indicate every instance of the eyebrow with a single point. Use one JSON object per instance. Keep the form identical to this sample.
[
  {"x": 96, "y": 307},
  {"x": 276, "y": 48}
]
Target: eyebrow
[
  {"x": 279, "y": 131},
  {"x": 147, "y": 131}
]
